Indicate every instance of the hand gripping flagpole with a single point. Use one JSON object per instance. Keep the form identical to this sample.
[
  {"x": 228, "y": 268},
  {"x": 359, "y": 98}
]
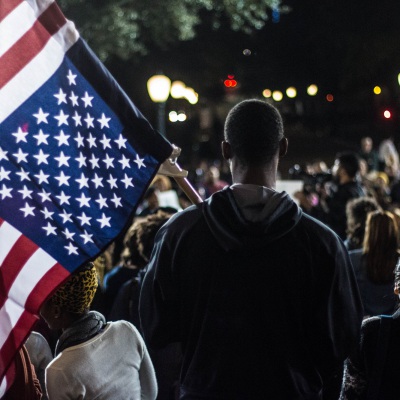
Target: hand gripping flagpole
[{"x": 171, "y": 168}]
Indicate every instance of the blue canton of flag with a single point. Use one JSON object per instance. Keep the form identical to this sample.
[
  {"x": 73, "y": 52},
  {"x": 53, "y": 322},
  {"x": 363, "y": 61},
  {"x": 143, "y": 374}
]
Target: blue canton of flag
[{"x": 68, "y": 177}]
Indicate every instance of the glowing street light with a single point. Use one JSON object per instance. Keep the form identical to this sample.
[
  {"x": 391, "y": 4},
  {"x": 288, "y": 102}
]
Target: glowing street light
[
  {"x": 291, "y": 92},
  {"x": 377, "y": 90},
  {"x": 267, "y": 93},
  {"x": 178, "y": 89},
  {"x": 277, "y": 95},
  {"x": 158, "y": 87},
  {"x": 312, "y": 90}
]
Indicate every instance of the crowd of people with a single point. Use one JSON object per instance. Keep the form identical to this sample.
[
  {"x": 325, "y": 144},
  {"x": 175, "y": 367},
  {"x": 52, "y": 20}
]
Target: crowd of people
[{"x": 251, "y": 294}]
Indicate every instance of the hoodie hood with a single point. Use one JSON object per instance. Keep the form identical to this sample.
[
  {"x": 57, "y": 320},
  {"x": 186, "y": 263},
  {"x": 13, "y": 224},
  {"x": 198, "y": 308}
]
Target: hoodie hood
[{"x": 249, "y": 216}]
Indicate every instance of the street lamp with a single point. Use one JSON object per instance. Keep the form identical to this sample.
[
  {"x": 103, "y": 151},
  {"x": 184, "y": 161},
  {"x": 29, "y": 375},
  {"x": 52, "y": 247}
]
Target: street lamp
[{"x": 158, "y": 87}]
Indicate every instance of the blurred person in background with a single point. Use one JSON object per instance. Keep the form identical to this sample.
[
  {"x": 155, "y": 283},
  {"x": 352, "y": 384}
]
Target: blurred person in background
[
  {"x": 375, "y": 262},
  {"x": 369, "y": 154},
  {"x": 357, "y": 211},
  {"x": 334, "y": 199}
]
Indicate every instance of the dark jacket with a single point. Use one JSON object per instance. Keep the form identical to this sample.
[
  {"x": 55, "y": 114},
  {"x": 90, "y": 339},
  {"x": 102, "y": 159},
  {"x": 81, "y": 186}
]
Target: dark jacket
[
  {"x": 264, "y": 310},
  {"x": 359, "y": 368},
  {"x": 336, "y": 217}
]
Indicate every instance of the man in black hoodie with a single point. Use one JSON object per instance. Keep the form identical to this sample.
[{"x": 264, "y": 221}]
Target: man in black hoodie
[{"x": 261, "y": 296}]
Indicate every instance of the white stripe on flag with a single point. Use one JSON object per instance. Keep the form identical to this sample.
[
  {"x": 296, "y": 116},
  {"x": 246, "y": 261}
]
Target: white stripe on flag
[
  {"x": 10, "y": 313},
  {"x": 38, "y": 71},
  {"x": 39, "y": 6},
  {"x": 33, "y": 271},
  {"x": 15, "y": 25},
  {"x": 3, "y": 386},
  {"x": 12, "y": 235}
]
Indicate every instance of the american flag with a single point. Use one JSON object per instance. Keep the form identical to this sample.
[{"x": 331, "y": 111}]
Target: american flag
[{"x": 76, "y": 157}]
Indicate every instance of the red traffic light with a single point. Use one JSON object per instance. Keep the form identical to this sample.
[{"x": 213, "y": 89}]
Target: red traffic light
[{"x": 230, "y": 82}]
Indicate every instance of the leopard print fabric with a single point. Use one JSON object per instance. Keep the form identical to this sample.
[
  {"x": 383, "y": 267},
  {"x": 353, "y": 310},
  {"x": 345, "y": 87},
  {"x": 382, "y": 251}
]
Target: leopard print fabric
[{"x": 77, "y": 293}]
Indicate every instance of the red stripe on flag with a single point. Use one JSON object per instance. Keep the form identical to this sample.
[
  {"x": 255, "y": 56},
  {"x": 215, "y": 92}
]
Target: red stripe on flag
[
  {"x": 16, "y": 338},
  {"x": 6, "y": 6},
  {"x": 49, "y": 282},
  {"x": 14, "y": 263},
  {"x": 31, "y": 43}
]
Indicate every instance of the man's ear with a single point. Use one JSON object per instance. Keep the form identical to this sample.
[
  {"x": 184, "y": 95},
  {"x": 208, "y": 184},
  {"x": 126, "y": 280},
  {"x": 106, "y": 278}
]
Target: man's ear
[
  {"x": 226, "y": 150},
  {"x": 283, "y": 147}
]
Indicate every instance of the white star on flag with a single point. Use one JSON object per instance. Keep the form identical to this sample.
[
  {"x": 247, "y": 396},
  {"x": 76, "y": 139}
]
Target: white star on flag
[
  {"x": 62, "y": 179},
  {"x": 45, "y": 196},
  {"x": 27, "y": 210},
  {"x": 21, "y": 156},
  {"x": 26, "y": 192},
  {"x": 42, "y": 177},
  {"x": 86, "y": 237},
  {"x": 139, "y": 161},
  {"x": 62, "y": 138},
  {"x": 3, "y": 154},
  {"x": 71, "y": 78},
  {"x": 105, "y": 142},
  {"x": 23, "y": 175},
  {"x": 4, "y": 174},
  {"x": 103, "y": 121},
  {"x": 120, "y": 142},
  {"x": 117, "y": 201},
  {"x": 68, "y": 235},
  {"x": 71, "y": 249},
  {"x": 81, "y": 160},
  {"x": 74, "y": 99},
  {"x": 41, "y": 138},
  {"x": 89, "y": 121},
  {"x": 104, "y": 221},
  {"x": 62, "y": 160},
  {"x": 112, "y": 182},
  {"x": 61, "y": 97},
  {"x": 50, "y": 229},
  {"x": 127, "y": 181},
  {"x": 98, "y": 181},
  {"x": 41, "y": 157},
  {"x": 85, "y": 220},
  {"x": 20, "y": 135},
  {"x": 83, "y": 181},
  {"x": 108, "y": 161},
  {"x": 46, "y": 213},
  {"x": 65, "y": 216},
  {"x": 87, "y": 100},
  {"x": 41, "y": 116},
  {"x": 64, "y": 199},
  {"x": 94, "y": 161},
  {"x": 124, "y": 162},
  {"x": 91, "y": 140},
  {"x": 77, "y": 118},
  {"x": 5, "y": 192},
  {"x": 102, "y": 201},
  {"x": 79, "y": 140},
  {"x": 62, "y": 118},
  {"x": 83, "y": 201}
]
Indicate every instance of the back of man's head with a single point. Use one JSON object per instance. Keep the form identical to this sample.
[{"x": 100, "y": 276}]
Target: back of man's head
[
  {"x": 253, "y": 129},
  {"x": 350, "y": 162}
]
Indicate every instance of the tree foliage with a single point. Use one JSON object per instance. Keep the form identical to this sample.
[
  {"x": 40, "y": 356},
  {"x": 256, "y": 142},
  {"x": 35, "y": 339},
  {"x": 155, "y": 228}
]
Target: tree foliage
[{"x": 127, "y": 27}]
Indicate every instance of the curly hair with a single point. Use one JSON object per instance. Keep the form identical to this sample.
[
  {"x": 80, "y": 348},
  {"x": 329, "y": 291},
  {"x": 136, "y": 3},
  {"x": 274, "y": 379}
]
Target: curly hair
[{"x": 139, "y": 239}]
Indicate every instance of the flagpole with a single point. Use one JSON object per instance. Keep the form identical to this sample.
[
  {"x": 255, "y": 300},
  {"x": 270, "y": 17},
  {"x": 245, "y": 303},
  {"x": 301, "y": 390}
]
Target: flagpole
[{"x": 171, "y": 168}]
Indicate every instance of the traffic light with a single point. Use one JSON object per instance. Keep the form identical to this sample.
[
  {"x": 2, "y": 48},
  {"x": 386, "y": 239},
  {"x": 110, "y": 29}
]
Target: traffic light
[{"x": 230, "y": 82}]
